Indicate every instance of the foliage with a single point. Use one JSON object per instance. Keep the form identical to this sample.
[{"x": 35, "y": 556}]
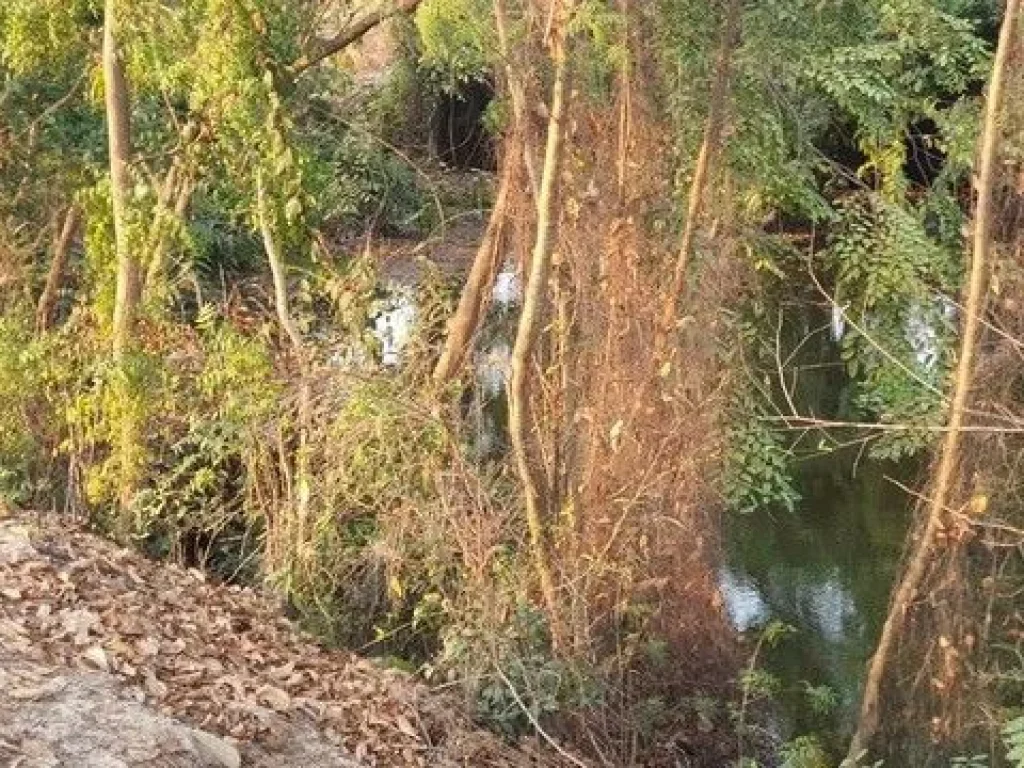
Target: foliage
[
  {"x": 458, "y": 42},
  {"x": 20, "y": 370},
  {"x": 1013, "y": 738},
  {"x": 888, "y": 273},
  {"x": 804, "y": 752},
  {"x": 347, "y": 484},
  {"x": 758, "y": 474}
]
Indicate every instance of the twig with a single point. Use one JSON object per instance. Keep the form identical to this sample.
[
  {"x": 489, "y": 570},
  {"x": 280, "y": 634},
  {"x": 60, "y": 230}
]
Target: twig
[{"x": 536, "y": 725}]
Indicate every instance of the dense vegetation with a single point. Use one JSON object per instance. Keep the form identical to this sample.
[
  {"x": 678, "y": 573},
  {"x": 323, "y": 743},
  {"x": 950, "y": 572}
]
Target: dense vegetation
[{"x": 746, "y": 234}]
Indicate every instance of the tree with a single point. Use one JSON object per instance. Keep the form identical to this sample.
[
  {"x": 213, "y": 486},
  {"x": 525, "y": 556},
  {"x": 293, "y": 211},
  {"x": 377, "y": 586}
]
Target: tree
[
  {"x": 977, "y": 286},
  {"x": 535, "y": 490},
  {"x": 116, "y": 98},
  {"x": 47, "y": 305}
]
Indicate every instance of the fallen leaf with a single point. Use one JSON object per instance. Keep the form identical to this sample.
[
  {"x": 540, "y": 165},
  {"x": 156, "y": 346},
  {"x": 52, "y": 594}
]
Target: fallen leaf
[
  {"x": 97, "y": 657},
  {"x": 274, "y": 698},
  {"x": 154, "y": 687},
  {"x": 79, "y": 624},
  {"x": 406, "y": 727}
]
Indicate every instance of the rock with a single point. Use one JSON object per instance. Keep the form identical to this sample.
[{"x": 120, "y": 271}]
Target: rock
[{"x": 215, "y": 752}]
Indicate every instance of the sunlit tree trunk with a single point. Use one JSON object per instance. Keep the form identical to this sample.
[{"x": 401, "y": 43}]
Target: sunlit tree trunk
[
  {"x": 351, "y": 33},
  {"x": 942, "y": 484},
  {"x": 477, "y": 290},
  {"x": 47, "y": 306},
  {"x": 119, "y": 141},
  {"x": 710, "y": 148},
  {"x": 282, "y": 304},
  {"x": 480, "y": 282},
  {"x": 538, "y": 504},
  {"x": 128, "y": 287},
  {"x": 179, "y": 186}
]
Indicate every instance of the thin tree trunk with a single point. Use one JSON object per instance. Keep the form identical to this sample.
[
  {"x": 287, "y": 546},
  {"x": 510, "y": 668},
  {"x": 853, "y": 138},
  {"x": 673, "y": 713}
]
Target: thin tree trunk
[
  {"x": 517, "y": 95},
  {"x": 46, "y": 308},
  {"x": 473, "y": 301},
  {"x": 120, "y": 146},
  {"x": 709, "y": 150},
  {"x": 867, "y": 723},
  {"x": 128, "y": 288},
  {"x": 476, "y": 293},
  {"x": 302, "y": 488},
  {"x": 281, "y": 302},
  {"x": 537, "y": 506},
  {"x": 162, "y": 227},
  {"x": 160, "y": 215}
]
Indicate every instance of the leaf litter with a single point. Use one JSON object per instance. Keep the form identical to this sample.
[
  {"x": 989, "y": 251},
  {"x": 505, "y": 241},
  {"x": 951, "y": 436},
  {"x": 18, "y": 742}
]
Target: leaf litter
[{"x": 220, "y": 657}]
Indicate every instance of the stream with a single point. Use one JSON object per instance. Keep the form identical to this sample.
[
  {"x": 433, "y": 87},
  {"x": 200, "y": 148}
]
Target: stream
[{"x": 825, "y": 570}]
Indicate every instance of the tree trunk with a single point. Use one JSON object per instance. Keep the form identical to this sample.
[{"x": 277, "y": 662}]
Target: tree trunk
[
  {"x": 476, "y": 293},
  {"x": 517, "y": 95},
  {"x": 46, "y": 308},
  {"x": 162, "y": 224},
  {"x": 115, "y": 89},
  {"x": 537, "y": 505},
  {"x": 129, "y": 287},
  {"x": 302, "y": 486},
  {"x": 281, "y": 301},
  {"x": 709, "y": 149},
  {"x": 977, "y": 286}
]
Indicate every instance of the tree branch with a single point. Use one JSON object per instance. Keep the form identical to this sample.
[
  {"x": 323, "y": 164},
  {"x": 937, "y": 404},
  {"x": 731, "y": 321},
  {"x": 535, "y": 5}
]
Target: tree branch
[{"x": 325, "y": 48}]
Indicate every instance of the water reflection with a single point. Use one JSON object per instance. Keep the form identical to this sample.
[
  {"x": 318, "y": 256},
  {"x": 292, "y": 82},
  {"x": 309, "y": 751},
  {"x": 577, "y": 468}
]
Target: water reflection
[
  {"x": 825, "y": 570},
  {"x": 394, "y": 316}
]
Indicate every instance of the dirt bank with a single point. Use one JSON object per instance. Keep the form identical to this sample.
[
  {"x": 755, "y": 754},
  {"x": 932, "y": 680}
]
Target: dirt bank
[{"x": 109, "y": 659}]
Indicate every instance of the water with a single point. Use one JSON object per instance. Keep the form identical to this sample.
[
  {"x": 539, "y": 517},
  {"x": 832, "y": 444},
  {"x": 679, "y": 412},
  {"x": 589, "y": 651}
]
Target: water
[{"x": 826, "y": 570}]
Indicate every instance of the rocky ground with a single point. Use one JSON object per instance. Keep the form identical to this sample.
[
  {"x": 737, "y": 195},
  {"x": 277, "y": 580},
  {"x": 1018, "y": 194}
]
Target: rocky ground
[{"x": 110, "y": 660}]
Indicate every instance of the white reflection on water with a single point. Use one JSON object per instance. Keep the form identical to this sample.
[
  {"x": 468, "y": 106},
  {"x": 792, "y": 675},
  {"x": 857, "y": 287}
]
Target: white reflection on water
[
  {"x": 824, "y": 604},
  {"x": 393, "y": 325},
  {"x": 743, "y": 602}
]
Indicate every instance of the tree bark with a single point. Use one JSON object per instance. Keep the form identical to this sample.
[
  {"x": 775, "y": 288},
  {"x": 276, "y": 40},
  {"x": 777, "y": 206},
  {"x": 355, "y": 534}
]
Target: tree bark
[
  {"x": 116, "y": 97},
  {"x": 302, "y": 486},
  {"x": 162, "y": 225},
  {"x": 517, "y": 95},
  {"x": 129, "y": 283},
  {"x": 281, "y": 301},
  {"x": 709, "y": 149},
  {"x": 476, "y": 293},
  {"x": 867, "y": 723},
  {"x": 323, "y": 49},
  {"x": 537, "y": 506},
  {"x": 46, "y": 308}
]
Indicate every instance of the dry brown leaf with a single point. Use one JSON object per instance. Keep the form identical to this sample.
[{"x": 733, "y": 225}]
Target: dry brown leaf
[
  {"x": 78, "y": 624},
  {"x": 274, "y": 697},
  {"x": 154, "y": 688},
  {"x": 406, "y": 727}
]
